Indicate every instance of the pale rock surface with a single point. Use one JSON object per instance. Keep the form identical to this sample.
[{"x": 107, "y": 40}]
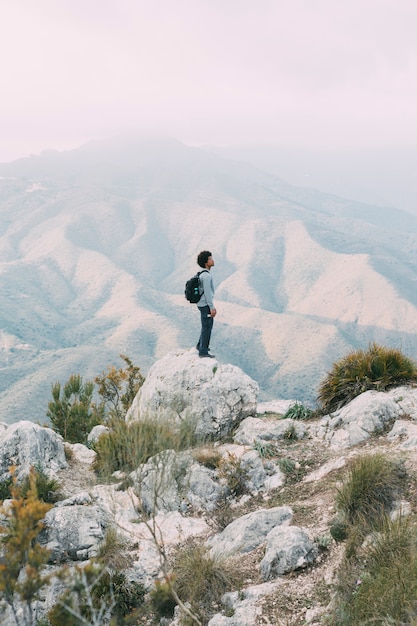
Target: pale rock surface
[
  {"x": 369, "y": 413},
  {"x": 252, "y": 429},
  {"x": 212, "y": 397},
  {"x": 405, "y": 433},
  {"x": 83, "y": 454},
  {"x": 96, "y": 433},
  {"x": 25, "y": 445},
  {"x": 74, "y": 532},
  {"x": 288, "y": 548},
  {"x": 244, "y": 604},
  {"x": 249, "y": 531},
  {"x": 260, "y": 475},
  {"x": 172, "y": 481},
  {"x": 406, "y": 398},
  {"x": 278, "y": 407}
]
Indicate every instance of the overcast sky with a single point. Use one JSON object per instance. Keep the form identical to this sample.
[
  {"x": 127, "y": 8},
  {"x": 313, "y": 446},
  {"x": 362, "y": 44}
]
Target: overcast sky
[{"x": 301, "y": 73}]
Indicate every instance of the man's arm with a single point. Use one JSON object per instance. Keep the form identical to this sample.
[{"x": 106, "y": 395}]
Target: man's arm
[{"x": 207, "y": 284}]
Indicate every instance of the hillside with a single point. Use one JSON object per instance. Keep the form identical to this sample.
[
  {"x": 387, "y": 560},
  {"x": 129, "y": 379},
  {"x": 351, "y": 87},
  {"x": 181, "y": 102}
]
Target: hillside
[{"x": 96, "y": 244}]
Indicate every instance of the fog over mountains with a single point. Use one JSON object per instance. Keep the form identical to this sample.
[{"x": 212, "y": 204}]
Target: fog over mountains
[{"x": 96, "y": 245}]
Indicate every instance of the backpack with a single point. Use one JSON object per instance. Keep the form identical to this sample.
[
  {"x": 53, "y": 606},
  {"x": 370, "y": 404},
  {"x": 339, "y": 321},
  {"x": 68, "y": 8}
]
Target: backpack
[{"x": 192, "y": 288}]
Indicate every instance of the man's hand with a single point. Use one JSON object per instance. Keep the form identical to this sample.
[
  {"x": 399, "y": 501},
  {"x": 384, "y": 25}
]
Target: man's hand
[{"x": 213, "y": 312}]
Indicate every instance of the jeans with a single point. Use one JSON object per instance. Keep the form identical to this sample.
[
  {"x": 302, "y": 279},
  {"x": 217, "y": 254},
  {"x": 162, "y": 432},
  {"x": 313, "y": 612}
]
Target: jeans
[{"x": 206, "y": 326}]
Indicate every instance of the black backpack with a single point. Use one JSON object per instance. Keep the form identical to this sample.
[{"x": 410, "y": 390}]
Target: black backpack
[{"x": 192, "y": 288}]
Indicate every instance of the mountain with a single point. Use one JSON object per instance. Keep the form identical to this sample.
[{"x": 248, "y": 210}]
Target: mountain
[{"x": 96, "y": 245}]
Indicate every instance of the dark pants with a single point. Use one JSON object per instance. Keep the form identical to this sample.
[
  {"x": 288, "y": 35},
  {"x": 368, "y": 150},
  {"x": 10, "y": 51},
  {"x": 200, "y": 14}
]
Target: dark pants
[{"x": 206, "y": 326}]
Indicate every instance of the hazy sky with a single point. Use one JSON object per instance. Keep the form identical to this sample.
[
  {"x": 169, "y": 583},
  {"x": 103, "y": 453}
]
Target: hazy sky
[{"x": 302, "y": 73}]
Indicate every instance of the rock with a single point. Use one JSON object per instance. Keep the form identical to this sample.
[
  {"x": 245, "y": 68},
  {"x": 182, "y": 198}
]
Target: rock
[
  {"x": 288, "y": 548},
  {"x": 405, "y": 433},
  {"x": 267, "y": 430},
  {"x": 370, "y": 413},
  {"x": 73, "y": 532},
  {"x": 211, "y": 397},
  {"x": 278, "y": 407},
  {"x": 96, "y": 433},
  {"x": 82, "y": 454},
  {"x": 25, "y": 445},
  {"x": 244, "y": 606},
  {"x": 172, "y": 481},
  {"x": 249, "y": 531}
]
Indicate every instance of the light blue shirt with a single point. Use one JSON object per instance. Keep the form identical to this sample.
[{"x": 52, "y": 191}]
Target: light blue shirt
[{"x": 207, "y": 287}]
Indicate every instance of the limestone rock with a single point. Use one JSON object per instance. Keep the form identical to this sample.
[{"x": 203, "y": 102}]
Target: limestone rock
[
  {"x": 172, "y": 481},
  {"x": 267, "y": 430},
  {"x": 288, "y": 548},
  {"x": 25, "y": 445},
  {"x": 73, "y": 532},
  {"x": 213, "y": 398},
  {"x": 370, "y": 413},
  {"x": 249, "y": 531}
]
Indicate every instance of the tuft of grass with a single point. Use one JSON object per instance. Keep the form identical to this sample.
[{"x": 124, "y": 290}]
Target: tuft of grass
[
  {"x": 209, "y": 457},
  {"x": 298, "y": 411},
  {"x": 380, "y": 585},
  {"x": 370, "y": 489},
  {"x": 376, "y": 368},
  {"x": 128, "y": 445},
  {"x": 265, "y": 450},
  {"x": 202, "y": 579}
]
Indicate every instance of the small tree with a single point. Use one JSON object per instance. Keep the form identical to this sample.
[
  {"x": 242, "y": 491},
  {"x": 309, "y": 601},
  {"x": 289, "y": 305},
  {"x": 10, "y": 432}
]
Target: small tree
[
  {"x": 118, "y": 387},
  {"x": 23, "y": 560},
  {"x": 71, "y": 411}
]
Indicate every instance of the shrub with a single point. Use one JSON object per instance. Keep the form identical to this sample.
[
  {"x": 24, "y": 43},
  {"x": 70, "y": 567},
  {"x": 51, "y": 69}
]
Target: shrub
[
  {"x": 162, "y": 599},
  {"x": 71, "y": 411},
  {"x": 234, "y": 474},
  {"x": 23, "y": 562},
  {"x": 376, "y": 368},
  {"x": 370, "y": 489},
  {"x": 298, "y": 411},
  {"x": 118, "y": 387},
  {"x": 202, "y": 579},
  {"x": 5, "y": 488},
  {"x": 380, "y": 587},
  {"x": 128, "y": 445},
  {"x": 47, "y": 488}
]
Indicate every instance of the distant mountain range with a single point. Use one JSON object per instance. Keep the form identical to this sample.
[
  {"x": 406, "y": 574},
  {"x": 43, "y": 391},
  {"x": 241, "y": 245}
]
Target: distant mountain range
[{"x": 96, "y": 245}]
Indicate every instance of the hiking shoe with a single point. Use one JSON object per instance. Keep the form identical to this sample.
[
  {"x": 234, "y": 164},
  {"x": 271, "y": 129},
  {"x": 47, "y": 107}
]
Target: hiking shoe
[{"x": 206, "y": 356}]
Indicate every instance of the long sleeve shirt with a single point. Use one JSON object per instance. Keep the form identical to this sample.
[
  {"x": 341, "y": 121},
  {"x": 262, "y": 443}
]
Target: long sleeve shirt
[{"x": 207, "y": 287}]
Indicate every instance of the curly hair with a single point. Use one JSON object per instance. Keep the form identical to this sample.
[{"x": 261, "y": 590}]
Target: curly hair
[{"x": 203, "y": 258}]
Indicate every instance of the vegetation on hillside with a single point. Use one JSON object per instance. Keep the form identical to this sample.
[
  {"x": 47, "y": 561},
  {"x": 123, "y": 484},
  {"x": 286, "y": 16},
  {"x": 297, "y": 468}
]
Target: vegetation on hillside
[
  {"x": 377, "y": 368},
  {"x": 376, "y": 580}
]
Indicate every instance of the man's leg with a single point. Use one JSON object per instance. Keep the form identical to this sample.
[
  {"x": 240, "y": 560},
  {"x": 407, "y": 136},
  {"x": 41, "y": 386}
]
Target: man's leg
[{"x": 206, "y": 326}]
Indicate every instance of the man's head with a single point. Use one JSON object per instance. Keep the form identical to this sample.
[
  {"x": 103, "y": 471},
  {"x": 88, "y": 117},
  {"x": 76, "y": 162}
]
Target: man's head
[{"x": 205, "y": 259}]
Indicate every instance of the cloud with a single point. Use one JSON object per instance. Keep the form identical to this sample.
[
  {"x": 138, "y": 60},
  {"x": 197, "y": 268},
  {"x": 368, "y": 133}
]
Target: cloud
[{"x": 311, "y": 72}]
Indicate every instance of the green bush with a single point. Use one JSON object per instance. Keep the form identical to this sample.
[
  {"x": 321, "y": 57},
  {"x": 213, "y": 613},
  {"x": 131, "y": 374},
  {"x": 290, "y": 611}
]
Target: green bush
[
  {"x": 71, "y": 410},
  {"x": 376, "y": 368},
  {"x": 128, "y": 445},
  {"x": 379, "y": 586},
  {"x": 370, "y": 489}
]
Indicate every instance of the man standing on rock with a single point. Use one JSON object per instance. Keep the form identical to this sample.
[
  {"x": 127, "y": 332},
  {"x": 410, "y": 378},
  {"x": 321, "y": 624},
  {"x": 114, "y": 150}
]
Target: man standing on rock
[{"x": 205, "y": 304}]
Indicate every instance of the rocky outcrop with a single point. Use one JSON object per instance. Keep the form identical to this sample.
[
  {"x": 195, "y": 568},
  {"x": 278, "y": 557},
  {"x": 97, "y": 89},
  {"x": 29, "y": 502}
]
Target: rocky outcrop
[
  {"x": 25, "y": 445},
  {"x": 211, "y": 397},
  {"x": 174, "y": 497}
]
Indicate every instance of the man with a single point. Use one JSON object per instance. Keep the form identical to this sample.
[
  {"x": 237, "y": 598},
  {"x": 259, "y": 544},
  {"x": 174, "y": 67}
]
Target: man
[{"x": 205, "y": 304}]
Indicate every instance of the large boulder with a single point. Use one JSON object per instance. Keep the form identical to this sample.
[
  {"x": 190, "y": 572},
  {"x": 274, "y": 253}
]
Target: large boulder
[
  {"x": 74, "y": 531},
  {"x": 172, "y": 481},
  {"x": 213, "y": 398},
  {"x": 24, "y": 445},
  {"x": 249, "y": 531},
  {"x": 288, "y": 548},
  {"x": 370, "y": 413}
]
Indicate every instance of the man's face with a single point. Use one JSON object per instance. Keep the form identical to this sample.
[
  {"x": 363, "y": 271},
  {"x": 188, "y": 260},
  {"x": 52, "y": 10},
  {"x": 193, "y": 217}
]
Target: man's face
[{"x": 210, "y": 262}]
